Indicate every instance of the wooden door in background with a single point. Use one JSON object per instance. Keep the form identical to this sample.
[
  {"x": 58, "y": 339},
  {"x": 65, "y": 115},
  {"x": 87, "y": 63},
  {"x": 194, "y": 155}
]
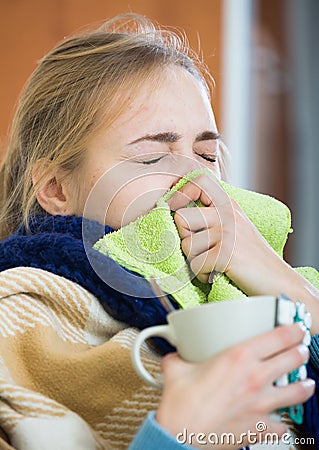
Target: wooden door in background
[{"x": 29, "y": 28}]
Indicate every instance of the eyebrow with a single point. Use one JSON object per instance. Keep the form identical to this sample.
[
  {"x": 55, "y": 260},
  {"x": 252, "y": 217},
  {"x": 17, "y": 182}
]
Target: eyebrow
[
  {"x": 170, "y": 137},
  {"x": 208, "y": 136}
]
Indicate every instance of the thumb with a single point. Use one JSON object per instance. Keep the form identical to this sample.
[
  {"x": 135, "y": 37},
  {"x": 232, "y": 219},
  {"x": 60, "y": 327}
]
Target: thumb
[{"x": 173, "y": 366}]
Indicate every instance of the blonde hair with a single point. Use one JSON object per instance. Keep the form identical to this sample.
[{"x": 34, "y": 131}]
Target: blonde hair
[{"x": 61, "y": 108}]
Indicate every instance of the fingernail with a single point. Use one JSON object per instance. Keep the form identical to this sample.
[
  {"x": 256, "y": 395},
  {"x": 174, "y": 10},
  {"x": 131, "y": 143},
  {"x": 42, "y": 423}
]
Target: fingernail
[
  {"x": 302, "y": 326},
  {"x": 309, "y": 384},
  {"x": 304, "y": 351},
  {"x": 213, "y": 276}
]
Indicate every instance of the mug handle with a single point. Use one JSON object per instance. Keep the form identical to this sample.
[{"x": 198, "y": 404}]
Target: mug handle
[{"x": 163, "y": 331}]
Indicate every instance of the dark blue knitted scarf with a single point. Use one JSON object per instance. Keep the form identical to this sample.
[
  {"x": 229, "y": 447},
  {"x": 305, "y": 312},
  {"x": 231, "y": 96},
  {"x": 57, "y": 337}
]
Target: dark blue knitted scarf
[{"x": 55, "y": 244}]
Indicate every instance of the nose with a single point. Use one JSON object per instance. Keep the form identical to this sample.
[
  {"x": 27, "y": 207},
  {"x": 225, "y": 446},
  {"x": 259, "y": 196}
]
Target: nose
[{"x": 185, "y": 163}]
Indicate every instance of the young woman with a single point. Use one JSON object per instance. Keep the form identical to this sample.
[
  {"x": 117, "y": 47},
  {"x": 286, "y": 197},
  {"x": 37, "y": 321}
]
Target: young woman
[{"x": 129, "y": 110}]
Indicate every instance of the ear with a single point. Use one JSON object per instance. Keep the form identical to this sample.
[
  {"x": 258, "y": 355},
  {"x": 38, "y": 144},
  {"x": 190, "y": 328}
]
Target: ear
[{"x": 53, "y": 193}]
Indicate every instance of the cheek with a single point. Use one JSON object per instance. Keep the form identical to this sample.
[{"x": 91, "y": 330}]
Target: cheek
[
  {"x": 216, "y": 170},
  {"x": 136, "y": 199}
]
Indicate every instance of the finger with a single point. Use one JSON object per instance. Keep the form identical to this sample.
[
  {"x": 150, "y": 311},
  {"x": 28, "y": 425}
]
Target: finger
[
  {"x": 192, "y": 220},
  {"x": 285, "y": 362},
  {"x": 173, "y": 366},
  {"x": 217, "y": 259},
  {"x": 201, "y": 242},
  {"x": 202, "y": 265},
  {"x": 293, "y": 394},
  {"x": 204, "y": 189},
  {"x": 183, "y": 198},
  {"x": 275, "y": 341},
  {"x": 170, "y": 359}
]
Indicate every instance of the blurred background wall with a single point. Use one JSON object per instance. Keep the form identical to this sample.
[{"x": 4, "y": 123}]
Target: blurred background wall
[
  {"x": 29, "y": 28},
  {"x": 264, "y": 59}
]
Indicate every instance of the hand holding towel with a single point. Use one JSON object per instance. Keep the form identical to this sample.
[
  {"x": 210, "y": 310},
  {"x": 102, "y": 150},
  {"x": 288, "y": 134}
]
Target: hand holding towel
[{"x": 150, "y": 245}]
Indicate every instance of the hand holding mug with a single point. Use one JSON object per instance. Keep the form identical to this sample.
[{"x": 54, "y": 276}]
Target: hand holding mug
[{"x": 234, "y": 390}]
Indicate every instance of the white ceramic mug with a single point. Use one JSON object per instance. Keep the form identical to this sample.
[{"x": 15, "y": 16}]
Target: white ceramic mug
[{"x": 202, "y": 332}]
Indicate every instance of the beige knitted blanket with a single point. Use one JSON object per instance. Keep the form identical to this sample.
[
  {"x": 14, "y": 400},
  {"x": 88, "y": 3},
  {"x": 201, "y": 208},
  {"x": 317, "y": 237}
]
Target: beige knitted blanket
[{"x": 66, "y": 379}]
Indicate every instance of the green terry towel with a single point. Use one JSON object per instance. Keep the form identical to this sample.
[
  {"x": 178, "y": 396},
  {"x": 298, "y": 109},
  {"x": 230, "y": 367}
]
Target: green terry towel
[{"x": 150, "y": 246}]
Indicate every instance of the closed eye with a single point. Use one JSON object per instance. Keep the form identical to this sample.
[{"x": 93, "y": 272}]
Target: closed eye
[
  {"x": 210, "y": 158},
  {"x": 149, "y": 158},
  {"x": 152, "y": 161}
]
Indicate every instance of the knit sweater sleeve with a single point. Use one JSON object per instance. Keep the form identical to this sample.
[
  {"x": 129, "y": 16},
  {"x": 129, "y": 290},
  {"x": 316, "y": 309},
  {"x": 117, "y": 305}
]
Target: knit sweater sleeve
[{"x": 153, "y": 437}]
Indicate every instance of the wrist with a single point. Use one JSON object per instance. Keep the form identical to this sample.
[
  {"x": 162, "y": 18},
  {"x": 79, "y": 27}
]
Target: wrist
[
  {"x": 301, "y": 289},
  {"x": 296, "y": 287}
]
